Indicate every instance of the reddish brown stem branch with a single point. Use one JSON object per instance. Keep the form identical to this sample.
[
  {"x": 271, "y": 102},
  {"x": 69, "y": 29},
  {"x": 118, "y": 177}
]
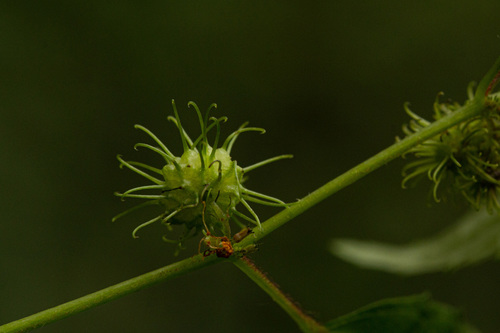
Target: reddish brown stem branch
[
  {"x": 305, "y": 322},
  {"x": 492, "y": 84}
]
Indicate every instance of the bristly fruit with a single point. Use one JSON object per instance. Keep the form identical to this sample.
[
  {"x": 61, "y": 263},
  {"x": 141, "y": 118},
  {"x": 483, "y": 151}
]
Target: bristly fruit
[
  {"x": 200, "y": 189},
  {"x": 465, "y": 159}
]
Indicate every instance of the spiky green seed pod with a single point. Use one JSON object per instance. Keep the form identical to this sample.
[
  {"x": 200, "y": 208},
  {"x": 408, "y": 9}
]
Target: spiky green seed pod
[
  {"x": 464, "y": 159},
  {"x": 200, "y": 189}
]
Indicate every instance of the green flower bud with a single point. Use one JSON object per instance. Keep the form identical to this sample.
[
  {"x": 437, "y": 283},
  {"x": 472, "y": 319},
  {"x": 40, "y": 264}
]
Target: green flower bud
[{"x": 202, "y": 188}]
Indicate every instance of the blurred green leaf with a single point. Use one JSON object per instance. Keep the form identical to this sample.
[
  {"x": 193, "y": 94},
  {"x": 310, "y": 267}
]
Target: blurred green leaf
[
  {"x": 402, "y": 315},
  {"x": 474, "y": 238}
]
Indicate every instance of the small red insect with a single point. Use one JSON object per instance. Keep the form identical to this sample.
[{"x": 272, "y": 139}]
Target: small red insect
[{"x": 221, "y": 246}]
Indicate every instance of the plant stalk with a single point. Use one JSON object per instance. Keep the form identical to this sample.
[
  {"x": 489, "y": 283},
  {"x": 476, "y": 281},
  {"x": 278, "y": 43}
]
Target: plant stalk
[
  {"x": 473, "y": 109},
  {"x": 108, "y": 294},
  {"x": 304, "y": 321},
  {"x": 182, "y": 267}
]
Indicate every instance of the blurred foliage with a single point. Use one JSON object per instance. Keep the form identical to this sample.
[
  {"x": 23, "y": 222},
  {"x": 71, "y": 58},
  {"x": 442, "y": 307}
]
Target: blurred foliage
[
  {"x": 471, "y": 240},
  {"x": 412, "y": 314}
]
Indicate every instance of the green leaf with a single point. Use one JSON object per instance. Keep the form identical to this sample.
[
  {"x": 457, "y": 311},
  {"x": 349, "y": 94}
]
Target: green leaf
[
  {"x": 473, "y": 239},
  {"x": 402, "y": 315}
]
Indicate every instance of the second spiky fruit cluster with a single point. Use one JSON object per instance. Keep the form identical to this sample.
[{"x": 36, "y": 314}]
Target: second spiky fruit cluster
[{"x": 464, "y": 159}]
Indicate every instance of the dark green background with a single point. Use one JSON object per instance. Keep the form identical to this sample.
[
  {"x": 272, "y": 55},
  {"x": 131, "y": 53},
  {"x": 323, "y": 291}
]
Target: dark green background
[{"x": 326, "y": 79}]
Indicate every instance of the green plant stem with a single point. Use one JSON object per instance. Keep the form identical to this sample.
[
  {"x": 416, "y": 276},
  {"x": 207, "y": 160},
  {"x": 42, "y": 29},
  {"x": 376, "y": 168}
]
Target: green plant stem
[
  {"x": 470, "y": 110},
  {"x": 305, "y": 322},
  {"x": 475, "y": 108},
  {"x": 182, "y": 267},
  {"x": 108, "y": 294}
]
